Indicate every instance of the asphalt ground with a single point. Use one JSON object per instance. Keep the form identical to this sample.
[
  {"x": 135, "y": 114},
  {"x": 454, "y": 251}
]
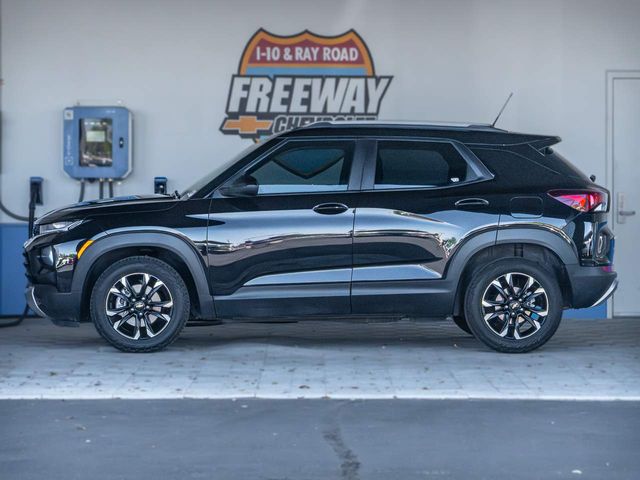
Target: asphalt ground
[{"x": 318, "y": 439}]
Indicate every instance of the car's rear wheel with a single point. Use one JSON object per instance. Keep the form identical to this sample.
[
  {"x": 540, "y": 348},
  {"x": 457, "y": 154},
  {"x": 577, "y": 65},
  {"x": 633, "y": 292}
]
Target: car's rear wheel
[
  {"x": 140, "y": 304},
  {"x": 513, "y": 305}
]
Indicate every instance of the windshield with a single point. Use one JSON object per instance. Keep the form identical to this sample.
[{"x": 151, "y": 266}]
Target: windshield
[{"x": 202, "y": 182}]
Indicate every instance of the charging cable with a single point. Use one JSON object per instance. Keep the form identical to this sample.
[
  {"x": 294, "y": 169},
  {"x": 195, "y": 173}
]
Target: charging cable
[
  {"x": 82, "y": 186},
  {"x": 9, "y": 213}
]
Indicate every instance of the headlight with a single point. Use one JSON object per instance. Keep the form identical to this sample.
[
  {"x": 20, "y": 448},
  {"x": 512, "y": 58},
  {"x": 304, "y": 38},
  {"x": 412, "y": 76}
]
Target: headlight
[
  {"x": 47, "y": 256},
  {"x": 58, "y": 226}
]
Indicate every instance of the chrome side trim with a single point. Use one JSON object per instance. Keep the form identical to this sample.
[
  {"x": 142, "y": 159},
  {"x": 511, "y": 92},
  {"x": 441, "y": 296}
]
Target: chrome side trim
[
  {"x": 606, "y": 294},
  {"x": 337, "y": 275},
  {"x": 394, "y": 272},
  {"x": 360, "y": 274}
]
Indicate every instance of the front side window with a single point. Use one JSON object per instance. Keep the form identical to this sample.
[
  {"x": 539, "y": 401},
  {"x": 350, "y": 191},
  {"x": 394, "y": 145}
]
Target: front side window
[
  {"x": 408, "y": 164},
  {"x": 305, "y": 167}
]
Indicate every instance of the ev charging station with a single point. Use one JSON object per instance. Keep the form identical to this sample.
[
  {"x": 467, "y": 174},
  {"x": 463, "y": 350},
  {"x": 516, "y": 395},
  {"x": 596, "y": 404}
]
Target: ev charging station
[
  {"x": 97, "y": 147},
  {"x": 97, "y": 144}
]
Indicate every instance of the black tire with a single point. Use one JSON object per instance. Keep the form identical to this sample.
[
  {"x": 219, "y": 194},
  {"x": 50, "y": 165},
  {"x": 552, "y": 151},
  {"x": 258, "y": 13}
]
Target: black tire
[
  {"x": 475, "y": 312},
  {"x": 171, "y": 291},
  {"x": 461, "y": 322}
]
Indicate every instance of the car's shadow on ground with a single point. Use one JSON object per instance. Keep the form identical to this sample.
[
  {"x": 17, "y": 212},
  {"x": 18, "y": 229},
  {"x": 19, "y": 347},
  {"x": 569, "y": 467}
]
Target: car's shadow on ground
[
  {"x": 443, "y": 335},
  {"x": 572, "y": 335},
  {"x": 310, "y": 334}
]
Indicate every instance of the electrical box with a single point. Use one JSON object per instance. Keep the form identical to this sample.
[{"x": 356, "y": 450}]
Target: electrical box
[
  {"x": 160, "y": 185},
  {"x": 97, "y": 142}
]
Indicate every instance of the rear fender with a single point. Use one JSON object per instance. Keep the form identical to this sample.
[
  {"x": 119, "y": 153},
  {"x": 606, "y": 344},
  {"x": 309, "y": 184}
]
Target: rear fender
[{"x": 554, "y": 241}]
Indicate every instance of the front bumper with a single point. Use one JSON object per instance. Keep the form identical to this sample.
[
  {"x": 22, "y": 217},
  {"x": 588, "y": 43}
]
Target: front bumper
[
  {"x": 33, "y": 303},
  {"x": 591, "y": 286},
  {"x": 46, "y": 301}
]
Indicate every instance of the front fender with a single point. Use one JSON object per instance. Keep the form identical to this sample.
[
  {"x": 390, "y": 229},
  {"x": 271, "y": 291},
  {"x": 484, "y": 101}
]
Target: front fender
[{"x": 172, "y": 242}]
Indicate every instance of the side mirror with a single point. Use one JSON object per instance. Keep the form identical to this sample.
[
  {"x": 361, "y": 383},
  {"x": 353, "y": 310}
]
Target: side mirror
[{"x": 242, "y": 187}]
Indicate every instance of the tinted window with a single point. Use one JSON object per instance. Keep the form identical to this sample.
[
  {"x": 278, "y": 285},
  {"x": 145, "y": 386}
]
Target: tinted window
[
  {"x": 514, "y": 169},
  {"x": 419, "y": 164},
  {"x": 557, "y": 163},
  {"x": 305, "y": 167}
]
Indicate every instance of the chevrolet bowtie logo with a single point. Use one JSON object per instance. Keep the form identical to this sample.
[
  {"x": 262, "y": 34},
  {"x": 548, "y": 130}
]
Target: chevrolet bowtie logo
[{"x": 247, "y": 125}]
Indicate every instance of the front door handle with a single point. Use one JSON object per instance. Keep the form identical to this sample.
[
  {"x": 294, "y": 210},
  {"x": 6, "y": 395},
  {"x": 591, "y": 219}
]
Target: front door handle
[
  {"x": 330, "y": 208},
  {"x": 472, "y": 202}
]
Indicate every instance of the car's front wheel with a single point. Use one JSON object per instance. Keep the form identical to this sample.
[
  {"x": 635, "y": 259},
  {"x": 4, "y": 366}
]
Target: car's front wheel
[
  {"x": 140, "y": 304},
  {"x": 513, "y": 305}
]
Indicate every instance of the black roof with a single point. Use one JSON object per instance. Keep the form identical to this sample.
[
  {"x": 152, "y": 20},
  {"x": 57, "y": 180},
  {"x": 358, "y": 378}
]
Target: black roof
[{"x": 467, "y": 133}]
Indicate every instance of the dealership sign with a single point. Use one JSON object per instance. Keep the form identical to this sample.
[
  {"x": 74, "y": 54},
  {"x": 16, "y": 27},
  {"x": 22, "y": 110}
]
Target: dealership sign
[{"x": 285, "y": 82}]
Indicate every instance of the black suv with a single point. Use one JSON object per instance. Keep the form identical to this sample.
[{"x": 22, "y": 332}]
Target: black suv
[{"x": 365, "y": 221}]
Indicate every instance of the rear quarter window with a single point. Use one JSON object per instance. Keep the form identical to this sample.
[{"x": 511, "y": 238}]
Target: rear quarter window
[
  {"x": 514, "y": 169},
  {"x": 556, "y": 162}
]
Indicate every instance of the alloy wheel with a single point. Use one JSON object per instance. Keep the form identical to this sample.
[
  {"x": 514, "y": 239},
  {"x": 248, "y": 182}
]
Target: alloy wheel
[
  {"x": 515, "y": 306},
  {"x": 139, "y": 306}
]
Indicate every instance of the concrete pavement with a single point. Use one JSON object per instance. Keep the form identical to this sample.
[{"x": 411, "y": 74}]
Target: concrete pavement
[{"x": 586, "y": 360}]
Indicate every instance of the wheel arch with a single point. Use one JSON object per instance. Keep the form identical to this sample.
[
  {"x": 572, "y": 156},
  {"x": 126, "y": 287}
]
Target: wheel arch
[
  {"x": 170, "y": 248},
  {"x": 546, "y": 247}
]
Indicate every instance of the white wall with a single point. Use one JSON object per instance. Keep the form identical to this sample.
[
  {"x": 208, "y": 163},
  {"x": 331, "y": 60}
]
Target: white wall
[{"x": 171, "y": 63}]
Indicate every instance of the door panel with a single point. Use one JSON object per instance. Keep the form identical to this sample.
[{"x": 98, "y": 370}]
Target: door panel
[
  {"x": 282, "y": 252},
  {"x": 402, "y": 244},
  {"x": 626, "y": 196},
  {"x": 263, "y": 254},
  {"x": 405, "y": 232},
  {"x": 252, "y": 238}
]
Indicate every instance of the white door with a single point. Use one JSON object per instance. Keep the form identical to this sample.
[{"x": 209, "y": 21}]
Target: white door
[{"x": 625, "y": 152}]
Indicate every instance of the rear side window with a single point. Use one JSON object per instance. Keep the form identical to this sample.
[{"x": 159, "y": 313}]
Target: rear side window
[
  {"x": 407, "y": 164},
  {"x": 515, "y": 169},
  {"x": 301, "y": 167}
]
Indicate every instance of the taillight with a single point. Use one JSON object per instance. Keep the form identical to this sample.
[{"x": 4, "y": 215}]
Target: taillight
[{"x": 582, "y": 200}]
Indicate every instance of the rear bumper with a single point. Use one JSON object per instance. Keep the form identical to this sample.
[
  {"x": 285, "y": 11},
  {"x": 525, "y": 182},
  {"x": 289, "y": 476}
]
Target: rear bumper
[
  {"x": 607, "y": 293},
  {"x": 591, "y": 286},
  {"x": 47, "y": 301}
]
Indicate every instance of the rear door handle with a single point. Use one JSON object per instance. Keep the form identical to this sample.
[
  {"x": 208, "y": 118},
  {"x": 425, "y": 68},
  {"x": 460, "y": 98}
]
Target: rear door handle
[
  {"x": 472, "y": 202},
  {"x": 330, "y": 208}
]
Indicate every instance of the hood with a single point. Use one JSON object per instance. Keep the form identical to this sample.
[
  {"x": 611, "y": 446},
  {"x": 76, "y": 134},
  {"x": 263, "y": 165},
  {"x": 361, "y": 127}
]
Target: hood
[{"x": 109, "y": 206}]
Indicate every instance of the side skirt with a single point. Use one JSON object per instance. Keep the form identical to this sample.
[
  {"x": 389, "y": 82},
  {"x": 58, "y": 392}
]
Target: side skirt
[{"x": 353, "y": 318}]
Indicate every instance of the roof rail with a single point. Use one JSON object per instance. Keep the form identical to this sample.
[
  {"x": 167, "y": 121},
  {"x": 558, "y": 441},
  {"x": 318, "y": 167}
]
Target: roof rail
[{"x": 392, "y": 123}]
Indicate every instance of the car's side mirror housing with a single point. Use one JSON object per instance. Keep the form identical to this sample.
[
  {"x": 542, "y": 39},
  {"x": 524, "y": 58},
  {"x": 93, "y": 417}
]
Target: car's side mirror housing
[{"x": 246, "y": 186}]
